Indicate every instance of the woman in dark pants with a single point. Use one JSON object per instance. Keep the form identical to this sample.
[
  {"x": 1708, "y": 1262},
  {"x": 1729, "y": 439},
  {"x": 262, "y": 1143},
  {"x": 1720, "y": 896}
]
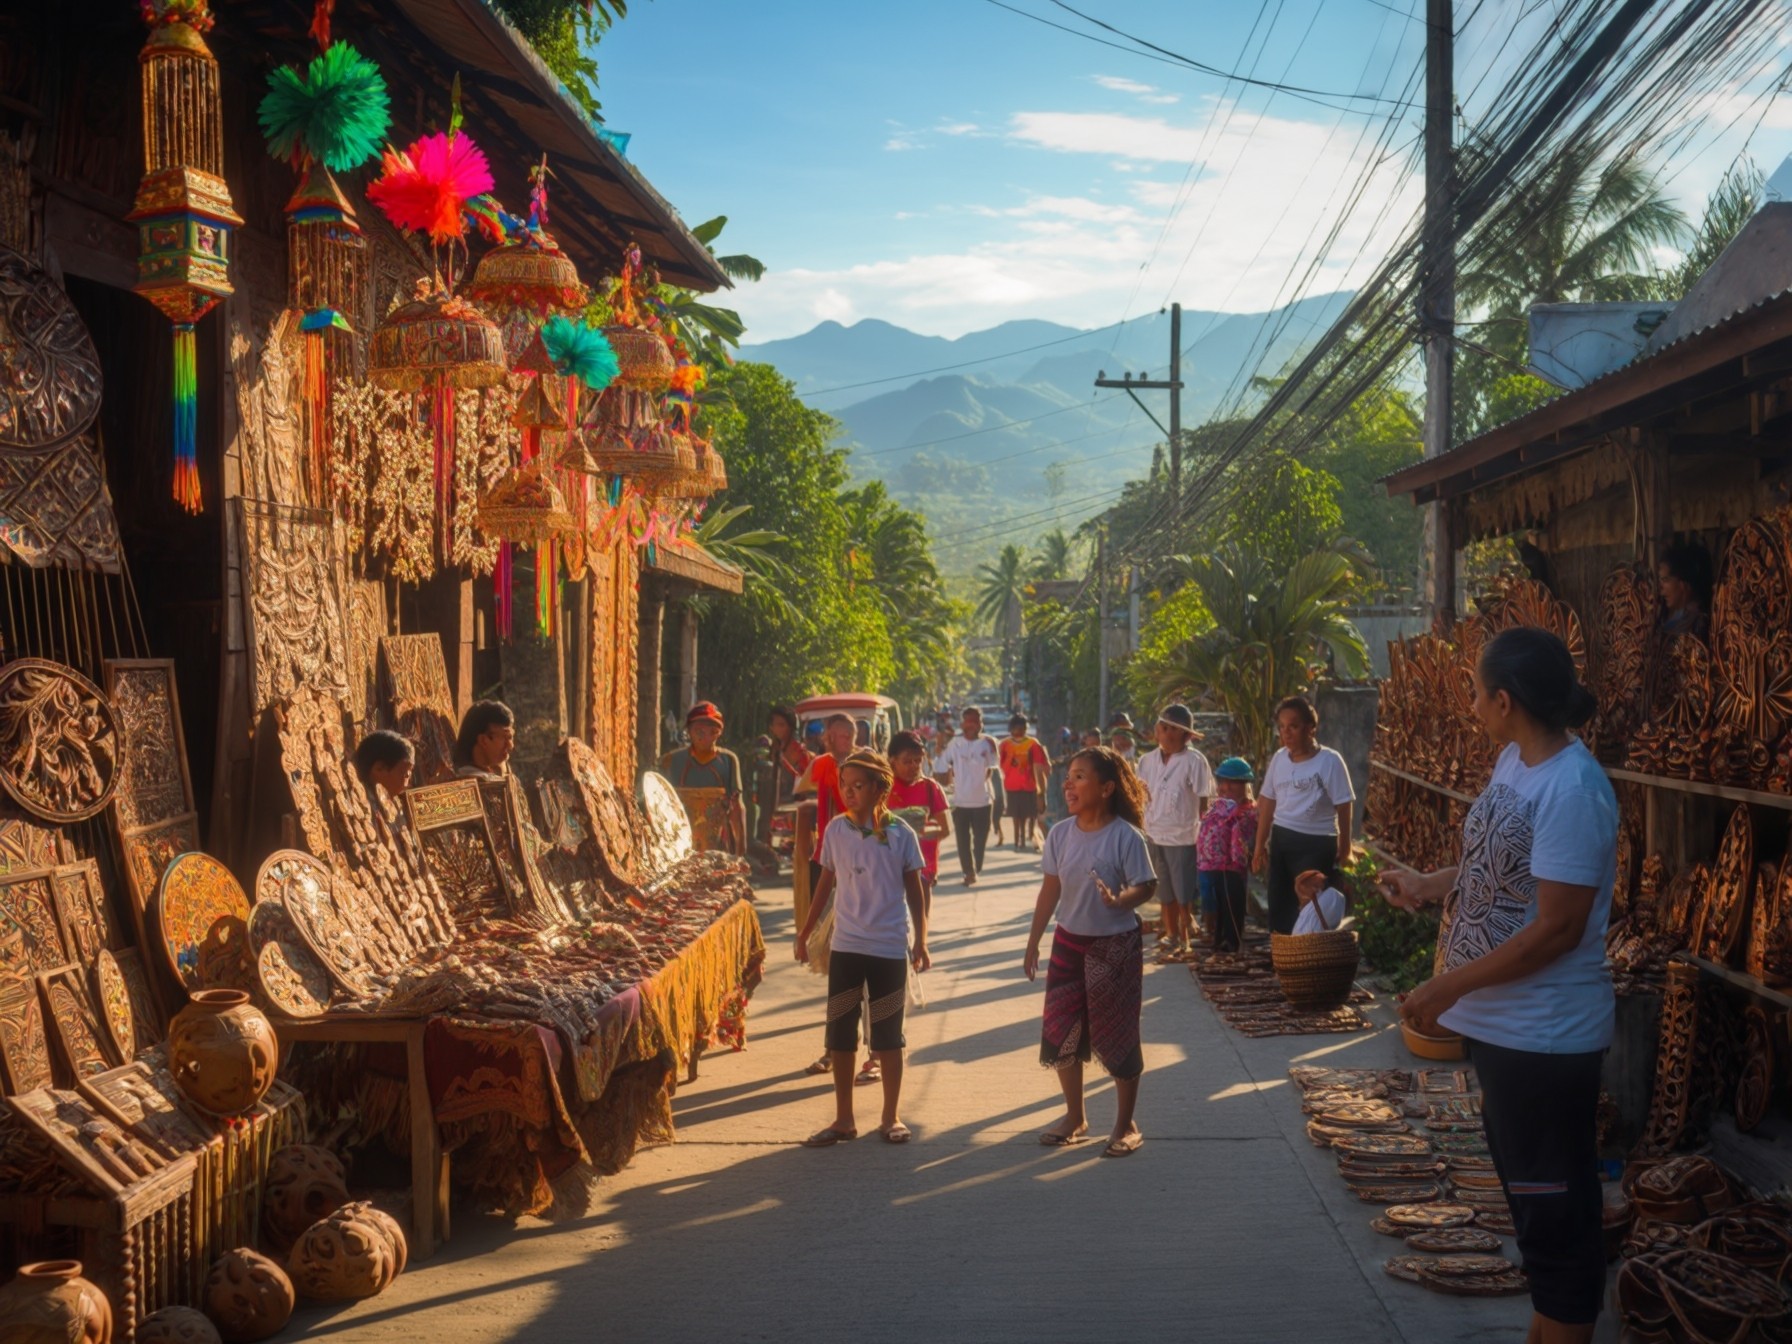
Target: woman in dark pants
[
  {"x": 1303, "y": 811},
  {"x": 1520, "y": 969}
]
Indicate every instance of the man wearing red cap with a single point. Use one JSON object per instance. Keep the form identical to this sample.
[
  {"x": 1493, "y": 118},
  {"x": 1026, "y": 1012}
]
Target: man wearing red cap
[{"x": 708, "y": 782}]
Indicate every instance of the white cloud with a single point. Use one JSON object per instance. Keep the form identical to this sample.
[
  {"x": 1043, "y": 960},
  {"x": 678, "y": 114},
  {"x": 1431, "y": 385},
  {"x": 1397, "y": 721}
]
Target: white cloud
[
  {"x": 960, "y": 128},
  {"x": 1266, "y": 188},
  {"x": 1145, "y": 93},
  {"x": 903, "y": 140}
]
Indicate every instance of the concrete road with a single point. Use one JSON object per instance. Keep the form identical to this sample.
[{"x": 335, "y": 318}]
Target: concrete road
[{"x": 1227, "y": 1225}]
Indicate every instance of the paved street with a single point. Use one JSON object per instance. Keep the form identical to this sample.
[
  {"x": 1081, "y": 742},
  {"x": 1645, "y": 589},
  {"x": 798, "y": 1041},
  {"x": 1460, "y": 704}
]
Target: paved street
[{"x": 1227, "y": 1225}]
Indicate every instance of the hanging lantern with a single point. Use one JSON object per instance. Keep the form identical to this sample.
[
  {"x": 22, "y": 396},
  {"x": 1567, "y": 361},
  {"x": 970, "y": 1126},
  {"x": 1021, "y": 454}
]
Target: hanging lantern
[
  {"x": 328, "y": 120},
  {"x": 526, "y": 507},
  {"x": 183, "y": 210},
  {"x": 527, "y": 279}
]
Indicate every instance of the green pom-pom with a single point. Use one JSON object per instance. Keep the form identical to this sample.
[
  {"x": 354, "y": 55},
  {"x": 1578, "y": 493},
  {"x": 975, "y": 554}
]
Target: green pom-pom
[
  {"x": 580, "y": 352},
  {"x": 338, "y": 113}
]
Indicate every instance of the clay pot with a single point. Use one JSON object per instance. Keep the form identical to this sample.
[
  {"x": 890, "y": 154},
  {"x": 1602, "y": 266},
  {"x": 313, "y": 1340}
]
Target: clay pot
[
  {"x": 222, "y": 1051},
  {"x": 177, "y": 1325},
  {"x": 304, "y": 1183},
  {"x": 343, "y": 1258},
  {"x": 247, "y": 1296},
  {"x": 50, "y": 1303},
  {"x": 401, "y": 1248}
]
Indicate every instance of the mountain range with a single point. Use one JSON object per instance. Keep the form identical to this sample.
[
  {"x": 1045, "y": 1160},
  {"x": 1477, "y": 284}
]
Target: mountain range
[{"x": 1006, "y": 423}]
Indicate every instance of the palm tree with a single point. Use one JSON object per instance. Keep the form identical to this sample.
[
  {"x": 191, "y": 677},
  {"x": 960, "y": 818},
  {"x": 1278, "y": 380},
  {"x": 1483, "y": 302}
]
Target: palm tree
[
  {"x": 888, "y": 547},
  {"x": 752, "y": 551},
  {"x": 1001, "y": 589},
  {"x": 1053, "y": 560},
  {"x": 1273, "y": 630}
]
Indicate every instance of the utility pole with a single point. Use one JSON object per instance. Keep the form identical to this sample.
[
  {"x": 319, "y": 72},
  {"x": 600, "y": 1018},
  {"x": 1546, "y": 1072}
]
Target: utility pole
[
  {"x": 1437, "y": 288},
  {"x": 1101, "y": 622},
  {"x": 1172, "y": 385}
]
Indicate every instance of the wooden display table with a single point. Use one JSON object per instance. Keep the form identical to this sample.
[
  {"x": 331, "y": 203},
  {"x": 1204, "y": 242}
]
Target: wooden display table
[{"x": 429, "y": 1164}]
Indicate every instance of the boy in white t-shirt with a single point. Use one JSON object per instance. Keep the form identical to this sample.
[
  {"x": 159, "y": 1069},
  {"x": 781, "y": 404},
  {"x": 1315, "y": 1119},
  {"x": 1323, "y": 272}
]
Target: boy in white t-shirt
[{"x": 1322, "y": 907}]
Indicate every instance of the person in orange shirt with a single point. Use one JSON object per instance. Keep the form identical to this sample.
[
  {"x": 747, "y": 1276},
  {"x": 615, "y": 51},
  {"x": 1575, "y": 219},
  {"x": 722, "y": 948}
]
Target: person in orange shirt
[{"x": 1024, "y": 773}]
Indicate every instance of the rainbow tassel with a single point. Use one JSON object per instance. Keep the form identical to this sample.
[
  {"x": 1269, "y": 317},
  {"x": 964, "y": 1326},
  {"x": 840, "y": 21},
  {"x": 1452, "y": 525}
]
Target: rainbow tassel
[
  {"x": 546, "y": 580},
  {"x": 186, "y": 419},
  {"x": 501, "y": 580}
]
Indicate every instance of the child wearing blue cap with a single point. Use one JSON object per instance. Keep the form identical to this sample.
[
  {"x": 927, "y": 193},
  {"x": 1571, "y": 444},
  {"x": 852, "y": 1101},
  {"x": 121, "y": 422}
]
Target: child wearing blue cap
[{"x": 1223, "y": 853}]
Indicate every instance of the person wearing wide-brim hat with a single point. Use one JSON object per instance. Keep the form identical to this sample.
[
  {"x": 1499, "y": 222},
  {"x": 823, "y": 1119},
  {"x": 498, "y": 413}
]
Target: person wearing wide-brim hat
[
  {"x": 1121, "y": 735},
  {"x": 1178, "y": 782},
  {"x": 1223, "y": 853}
]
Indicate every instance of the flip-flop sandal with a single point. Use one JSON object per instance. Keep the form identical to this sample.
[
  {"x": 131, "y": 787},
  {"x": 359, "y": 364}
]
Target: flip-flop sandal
[
  {"x": 827, "y": 1138},
  {"x": 871, "y": 1073},
  {"x": 1051, "y": 1140},
  {"x": 1125, "y": 1147},
  {"x": 896, "y": 1133},
  {"x": 820, "y": 1066}
]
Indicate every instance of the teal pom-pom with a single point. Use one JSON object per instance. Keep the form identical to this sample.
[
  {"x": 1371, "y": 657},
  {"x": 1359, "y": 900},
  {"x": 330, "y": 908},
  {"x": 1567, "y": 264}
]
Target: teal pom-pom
[
  {"x": 580, "y": 352},
  {"x": 337, "y": 113}
]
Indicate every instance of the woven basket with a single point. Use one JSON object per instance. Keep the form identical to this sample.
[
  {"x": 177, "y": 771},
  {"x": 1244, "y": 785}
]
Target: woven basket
[{"x": 1316, "y": 970}]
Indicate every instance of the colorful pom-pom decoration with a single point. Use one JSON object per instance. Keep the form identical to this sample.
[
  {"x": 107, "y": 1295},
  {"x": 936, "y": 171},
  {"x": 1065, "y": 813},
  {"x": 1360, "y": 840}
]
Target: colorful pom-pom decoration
[
  {"x": 579, "y": 351},
  {"x": 337, "y": 113},
  {"x": 426, "y": 189}
]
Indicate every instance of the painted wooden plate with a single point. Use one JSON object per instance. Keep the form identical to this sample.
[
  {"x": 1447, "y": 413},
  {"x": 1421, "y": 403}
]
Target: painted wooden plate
[
  {"x": 294, "y": 980},
  {"x": 303, "y": 886},
  {"x": 1404, "y": 1267},
  {"x": 1380, "y": 1224},
  {"x": 1383, "y": 1145},
  {"x": 1351, "y": 1114},
  {"x": 1403, "y": 1193},
  {"x": 112, "y": 996},
  {"x": 202, "y": 915},
  {"x": 1506, "y": 1284},
  {"x": 1454, "y": 1241},
  {"x": 1431, "y": 1215}
]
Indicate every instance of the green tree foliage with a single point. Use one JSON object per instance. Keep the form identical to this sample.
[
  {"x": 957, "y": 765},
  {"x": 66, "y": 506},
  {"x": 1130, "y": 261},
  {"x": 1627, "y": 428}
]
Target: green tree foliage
[
  {"x": 1727, "y": 209},
  {"x": 1274, "y": 628},
  {"x": 1176, "y": 621},
  {"x": 563, "y": 33},
  {"x": 1052, "y": 560},
  {"x": 1001, "y": 594},
  {"x": 1585, "y": 232},
  {"x": 842, "y": 599},
  {"x": 1378, "y": 434}
]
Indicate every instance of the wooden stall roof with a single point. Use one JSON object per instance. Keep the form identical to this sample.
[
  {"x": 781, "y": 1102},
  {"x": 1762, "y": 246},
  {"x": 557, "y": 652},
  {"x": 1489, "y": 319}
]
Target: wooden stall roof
[
  {"x": 1723, "y": 363},
  {"x": 516, "y": 107},
  {"x": 690, "y": 562}
]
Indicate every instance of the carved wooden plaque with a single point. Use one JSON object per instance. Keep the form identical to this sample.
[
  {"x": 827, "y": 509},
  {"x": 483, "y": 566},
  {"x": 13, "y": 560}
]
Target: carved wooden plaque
[
  {"x": 27, "y": 843},
  {"x": 61, "y": 746},
  {"x": 146, "y": 1011},
  {"x": 87, "y": 1141},
  {"x": 112, "y": 999},
  {"x": 74, "y": 1023},
  {"x": 415, "y": 683},
  {"x": 81, "y": 911},
  {"x": 457, "y": 845},
  {"x": 148, "y": 852},
  {"x": 154, "y": 786},
  {"x": 24, "y": 1045},
  {"x": 293, "y": 579},
  {"x": 51, "y": 391},
  {"x": 143, "y": 1098},
  {"x": 30, "y": 938}
]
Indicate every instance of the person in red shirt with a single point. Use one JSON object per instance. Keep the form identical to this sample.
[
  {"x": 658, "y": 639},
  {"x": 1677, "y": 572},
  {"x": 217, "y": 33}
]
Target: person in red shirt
[
  {"x": 920, "y": 802},
  {"x": 1025, "y": 770}
]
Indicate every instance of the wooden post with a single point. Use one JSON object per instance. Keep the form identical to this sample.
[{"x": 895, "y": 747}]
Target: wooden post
[
  {"x": 647, "y": 698},
  {"x": 687, "y": 657}
]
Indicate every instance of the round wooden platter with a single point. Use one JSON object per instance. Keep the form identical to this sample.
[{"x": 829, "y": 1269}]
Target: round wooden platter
[
  {"x": 1389, "y": 1173},
  {"x": 1380, "y": 1224},
  {"x": 303, "y": 887},
  {"x": 202, "y": 916},
  {"x": 1404, "y": 1267},
  {"x": 1496, "y": 1220},
  {"x": 62, "y": 745},
  {"x": 1405, "y": 1193},
  {"x": 1454, "y": 1241},
  {"x": 294, "y": 980},
  {"x": 112, "y": 996},
  {"x": 1360, "y": 1114},
  {"x": 1507, "y": 1283},
  {"x": 1384, "y": 1145},
  {"x": 1430, "y": 1215}
]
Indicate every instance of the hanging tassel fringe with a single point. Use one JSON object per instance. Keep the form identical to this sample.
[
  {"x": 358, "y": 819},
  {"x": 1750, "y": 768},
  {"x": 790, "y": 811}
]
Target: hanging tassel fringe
[
  {"x": 546, "y": 581},
  {"x": 501, "y": 580},
  {"x": 317, "y": 408},
  {"x": 186, "y": 419}
]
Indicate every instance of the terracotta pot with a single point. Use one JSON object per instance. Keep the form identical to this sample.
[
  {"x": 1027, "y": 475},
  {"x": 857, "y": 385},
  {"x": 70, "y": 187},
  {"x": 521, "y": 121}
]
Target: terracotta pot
[
  {"x": 50, "y": 1303},
  {"x": 304, "y": 1183},
  {"x": 177, "y": 1325},
  {"x": 401, "y": 1248},
  {"x": 222, "y": 1051},
  {"x": 344, "y": 1257},
  {"x": 247, "y": 1296}
]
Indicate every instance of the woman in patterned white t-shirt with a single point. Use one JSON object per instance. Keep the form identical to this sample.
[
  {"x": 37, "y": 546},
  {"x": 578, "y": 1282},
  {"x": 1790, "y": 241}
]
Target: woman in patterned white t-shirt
[{"x": 1520, "y": 969}]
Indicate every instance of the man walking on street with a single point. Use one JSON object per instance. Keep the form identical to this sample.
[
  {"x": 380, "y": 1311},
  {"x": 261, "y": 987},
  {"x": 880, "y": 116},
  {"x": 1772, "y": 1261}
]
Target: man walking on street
[
  {"x": 967, "y": 762},
  {"x": 1178, "y": 782},
  {"x": 1024, "y": 770}
]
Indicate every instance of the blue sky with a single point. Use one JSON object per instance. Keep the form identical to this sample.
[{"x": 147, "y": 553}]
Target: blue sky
[{"x": 948, "y": 164}]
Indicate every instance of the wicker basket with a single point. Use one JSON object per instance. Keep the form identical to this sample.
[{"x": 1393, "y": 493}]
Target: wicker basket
[{"x": 1316, "y": 970}]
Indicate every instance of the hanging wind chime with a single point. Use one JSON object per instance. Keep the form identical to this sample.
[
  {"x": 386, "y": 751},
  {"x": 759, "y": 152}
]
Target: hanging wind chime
[
  {"x": 439, "y": 342},
  {"x": 183, "y": 210},
  {"x": 330, "y": 119}
]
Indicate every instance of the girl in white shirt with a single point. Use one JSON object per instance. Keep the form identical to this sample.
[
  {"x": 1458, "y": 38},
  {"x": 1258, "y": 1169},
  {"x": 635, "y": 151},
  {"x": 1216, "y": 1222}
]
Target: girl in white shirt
[{"x": 871, "y": 870}]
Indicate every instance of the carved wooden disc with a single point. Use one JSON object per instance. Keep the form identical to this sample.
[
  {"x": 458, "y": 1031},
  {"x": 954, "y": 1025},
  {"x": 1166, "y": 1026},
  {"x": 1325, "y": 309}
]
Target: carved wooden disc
[
  {"x": 203, "y": 917},
  {"x": 1431, "y": 1215},
  {"x": 609, "y": 817},
  {"x": 304, "y": 886},
  {"x": 112, "y": 996},
  {"x": 1454, "y": 1241},
  {"x": 61, "y": 744},
  {"x": 1728, "y": 891},
  {"x": 668, "y": 825},
  {"x": 294, "y": 980},
  {"x": 51, "y": 387}
]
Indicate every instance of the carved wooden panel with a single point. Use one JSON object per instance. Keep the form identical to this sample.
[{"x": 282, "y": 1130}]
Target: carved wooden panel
[
  {"x": 81, "y": 911},
  {"x": 155, "y": 786},
  {"x": 51, "y": 391},
  {"x": 457, "y": 844},
  {"x": 56, "y": 509},
  {"x": 30, "y": 938},
  {"x": 61, "y": 746},
  {"x": 517, "y": 845},
  {"x": 74, "y": 1023},
  {"x": 615, "y": 641},
  {"x": 87, "y": 1142},
  {"x": 293, "y": 580},
  {"x": 415, "y": 685},
  {"x": 27, "y": 843},
  {"x": 24, "y": 1044},
  {"x": 267, "y": 369},
  {"x": 365, "y": 605},
  {"x": 143, "y": 1098}
]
